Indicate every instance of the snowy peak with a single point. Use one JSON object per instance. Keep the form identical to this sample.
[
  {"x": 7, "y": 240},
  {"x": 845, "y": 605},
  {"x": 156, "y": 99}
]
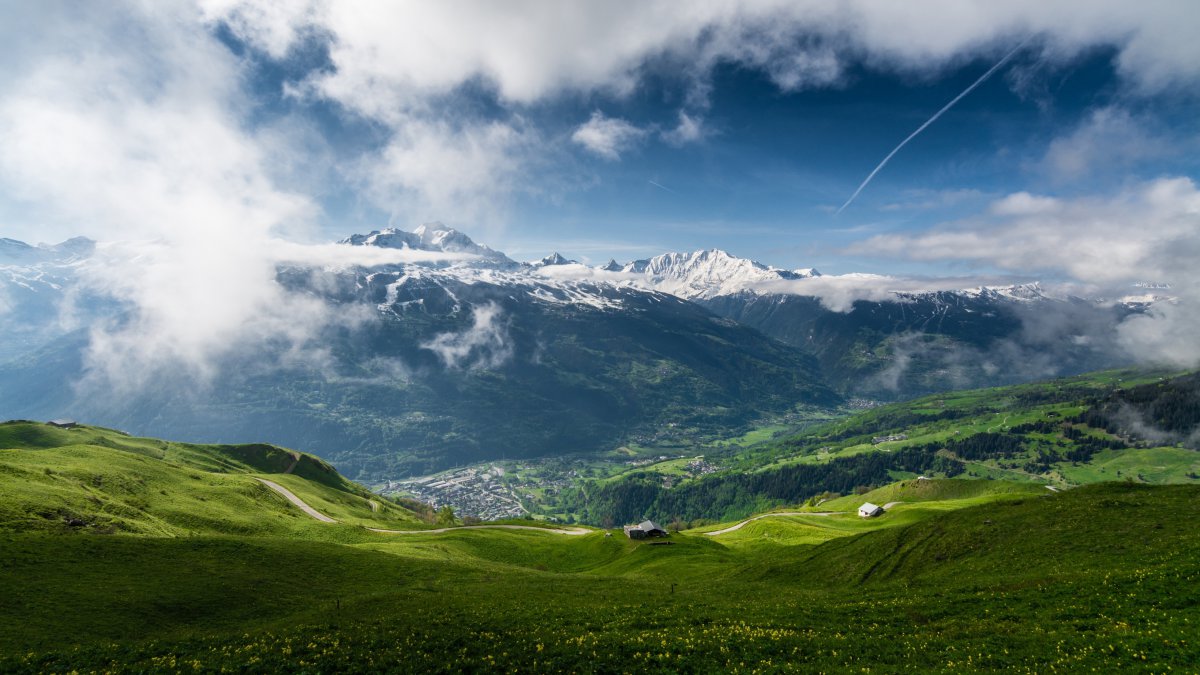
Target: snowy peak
[
  {"x": 707, "y": 274},
  {"x": 554, "y": 259},
  {"x": 1023, "y": 292},
  {"x": 611, "y": 266},
  {"x": 428, "y": 237},
  {"x": 13, "y": 251}
]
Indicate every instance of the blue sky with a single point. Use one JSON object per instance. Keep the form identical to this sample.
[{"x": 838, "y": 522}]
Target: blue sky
[
  {"x": 770, "y": 165},
  {"x": 605, "y": 129}
]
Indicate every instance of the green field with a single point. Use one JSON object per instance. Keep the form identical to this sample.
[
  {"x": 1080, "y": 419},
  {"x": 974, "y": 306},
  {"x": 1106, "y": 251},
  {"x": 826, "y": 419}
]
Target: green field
[
  {"x": 1062, "y": 433},
  {"x": 136, "y": 555}
]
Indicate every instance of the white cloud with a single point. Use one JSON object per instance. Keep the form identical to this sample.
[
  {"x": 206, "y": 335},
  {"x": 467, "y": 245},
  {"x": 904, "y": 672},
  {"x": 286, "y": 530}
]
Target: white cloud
[
  {"x": 125, "y": 124},
  {"x": 607, "y": 137},
  {"x": 386, "y": 53},
  {"x": 405, "y": 65},
  {"x": 840, "y": 292},
  {"x": 1110, "y": 139},
  {"x": 689, "y": 130},
  {"x": 432, "y": 169},
  {"x": 483, "y": 346},
  {"x": 1145, "y": 233}
]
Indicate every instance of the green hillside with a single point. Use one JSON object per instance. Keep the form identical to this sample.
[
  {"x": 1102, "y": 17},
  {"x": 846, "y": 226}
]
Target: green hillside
[
  {"x": 216, "y": 574},
  {"x": 101, "y": 481},
  {"x": 1135, "y": 425}
]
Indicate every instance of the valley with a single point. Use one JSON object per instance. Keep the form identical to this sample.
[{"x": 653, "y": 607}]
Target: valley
[
  {"x": 468, "y": 356},
  {"x": 1029, "y": 433}
]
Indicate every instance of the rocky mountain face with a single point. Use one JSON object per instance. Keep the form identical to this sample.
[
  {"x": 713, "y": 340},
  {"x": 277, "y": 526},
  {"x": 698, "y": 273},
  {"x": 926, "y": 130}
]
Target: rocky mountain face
[
  {"x": 455, "y": 363},
  {"x": 929, "y": 342},
  {"x": 481, "y": 356},
  {"x": 908, "y": 343}
]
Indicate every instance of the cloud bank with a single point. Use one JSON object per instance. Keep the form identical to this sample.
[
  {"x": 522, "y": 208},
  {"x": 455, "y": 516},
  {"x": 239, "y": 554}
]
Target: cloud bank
[
  {"x": 405, "y": 66},
  {"x": 1146, "y": 233}
]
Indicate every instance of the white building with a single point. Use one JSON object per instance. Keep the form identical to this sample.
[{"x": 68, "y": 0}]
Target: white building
[{"x": 869, "y": 510}]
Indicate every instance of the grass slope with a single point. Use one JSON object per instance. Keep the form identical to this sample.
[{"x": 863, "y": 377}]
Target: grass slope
[
  {"x": 1062, "y": 433},
  {"x": 962, "y": 575},
  {"x": 102, "y": 481}
]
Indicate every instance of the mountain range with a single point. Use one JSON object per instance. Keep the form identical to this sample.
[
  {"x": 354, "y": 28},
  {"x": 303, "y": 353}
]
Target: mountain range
[{"x": 480, "y": 356}]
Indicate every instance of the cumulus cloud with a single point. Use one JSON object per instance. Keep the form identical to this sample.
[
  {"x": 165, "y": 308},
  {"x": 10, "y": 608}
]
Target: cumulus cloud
[
  {"x": 530, "y": 50},
  {"x": 484, "y": 345},
  {"x": 607, "y": 137},
  {"x": 404, "y": 65},
  {"x": 97, "y": 136},
  {"x": 1146, "y": 233},
  {"x": 466, "y": 169},
  {"x": 1110, "y": 139},
  {"x": 689, "y": 130}
]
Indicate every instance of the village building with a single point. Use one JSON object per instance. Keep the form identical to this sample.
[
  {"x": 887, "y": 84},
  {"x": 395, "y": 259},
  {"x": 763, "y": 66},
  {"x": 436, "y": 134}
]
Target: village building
[
  {"x": 869, "y": 510},
  {"x": 645, "y": 530}
]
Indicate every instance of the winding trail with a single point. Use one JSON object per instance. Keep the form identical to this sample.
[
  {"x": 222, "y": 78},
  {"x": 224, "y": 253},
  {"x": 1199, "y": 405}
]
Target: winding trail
[
  {"x": 291, "y": 497},
  {"x": 572, "y": 531},
  {"x": 746, "y": 522}
]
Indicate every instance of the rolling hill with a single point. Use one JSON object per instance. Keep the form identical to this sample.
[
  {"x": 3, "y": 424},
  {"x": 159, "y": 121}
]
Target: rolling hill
[
  {"x": 1118, "y": 425},
  {"x": 959, "y": 575}
]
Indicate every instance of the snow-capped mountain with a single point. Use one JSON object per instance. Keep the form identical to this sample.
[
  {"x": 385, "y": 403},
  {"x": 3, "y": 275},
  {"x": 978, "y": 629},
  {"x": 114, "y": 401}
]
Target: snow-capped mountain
[
  {"x": 461, "y": 359},
  {"x": 706, "y": 274},
  {"x": 33, "y": 280},
  {"x": 429, "y": 364},
  {"x": 700, "y": 276},
  {"x": 430, "y": 237},
  {"x": 554, "y": 259}
]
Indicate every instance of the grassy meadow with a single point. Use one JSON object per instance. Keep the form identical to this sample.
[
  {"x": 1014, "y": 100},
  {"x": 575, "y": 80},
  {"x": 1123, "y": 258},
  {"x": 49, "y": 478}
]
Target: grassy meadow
[{"x": 135, "y": 555}]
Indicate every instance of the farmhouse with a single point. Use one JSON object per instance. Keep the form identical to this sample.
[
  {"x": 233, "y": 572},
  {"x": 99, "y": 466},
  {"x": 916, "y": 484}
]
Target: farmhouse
[
  {"x": 869, "y": 510},
  {"x": 644, "y": 530}
]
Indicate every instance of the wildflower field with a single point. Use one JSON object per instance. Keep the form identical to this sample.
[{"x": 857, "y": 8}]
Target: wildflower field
[{"x": 1102, "y": 578}]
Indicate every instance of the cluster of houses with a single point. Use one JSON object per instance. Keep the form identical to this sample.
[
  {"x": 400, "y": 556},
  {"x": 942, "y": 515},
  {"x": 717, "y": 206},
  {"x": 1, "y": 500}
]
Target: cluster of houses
[
  {"x": 894, "y": 437},
  {"x": 475, "y": 491}
]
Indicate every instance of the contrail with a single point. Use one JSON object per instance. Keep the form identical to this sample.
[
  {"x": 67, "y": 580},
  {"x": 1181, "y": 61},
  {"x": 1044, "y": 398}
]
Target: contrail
[
  {"x": 931, "y": 120},
  {"x": 661, "y": 186}
]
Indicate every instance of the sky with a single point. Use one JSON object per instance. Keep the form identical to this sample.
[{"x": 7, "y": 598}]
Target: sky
[{"x": 614, "y": 129}]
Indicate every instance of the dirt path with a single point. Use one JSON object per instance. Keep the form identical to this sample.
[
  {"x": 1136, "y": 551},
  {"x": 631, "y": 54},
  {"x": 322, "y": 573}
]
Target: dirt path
[
  {"x": 888, "y": 506},
  {"x": 295, "y": 461},
  {"x": 573, "y": 531},
  {"x": 291, "y": 497},
  {"x": 746, "y": 522}
]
